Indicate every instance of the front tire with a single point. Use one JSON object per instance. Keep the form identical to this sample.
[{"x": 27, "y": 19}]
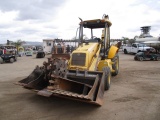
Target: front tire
[
  {"x": 115, "y": 66},
  {"x": 107, "y": 80}
]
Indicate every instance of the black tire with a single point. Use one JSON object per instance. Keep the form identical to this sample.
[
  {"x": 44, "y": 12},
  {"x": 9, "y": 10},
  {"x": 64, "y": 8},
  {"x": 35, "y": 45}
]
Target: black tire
[
  {"x": 107, "y": 80},
  {"x": 11, "y": 60},
  {"x": 125, "y": 51},
  {"x": 135, "y": 58},
  {"x": 115, "y": 66}
]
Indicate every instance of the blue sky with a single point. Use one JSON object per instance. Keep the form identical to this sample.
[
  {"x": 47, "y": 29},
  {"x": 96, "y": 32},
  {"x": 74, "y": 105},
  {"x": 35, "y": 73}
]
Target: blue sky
[{"x": 34, "y": 20}]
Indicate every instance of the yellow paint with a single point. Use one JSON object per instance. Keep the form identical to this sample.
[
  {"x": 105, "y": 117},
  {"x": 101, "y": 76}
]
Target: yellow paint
[
  {"x": 95, "y": 61},
  {"x": 104, "y": 63},
  {"x": 112, "y": 52},
  {"x": 92, "y": 52}
]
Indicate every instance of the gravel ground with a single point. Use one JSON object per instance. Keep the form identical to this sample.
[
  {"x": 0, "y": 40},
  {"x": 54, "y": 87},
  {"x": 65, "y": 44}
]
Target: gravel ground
[{"x": 134, "y": 94}]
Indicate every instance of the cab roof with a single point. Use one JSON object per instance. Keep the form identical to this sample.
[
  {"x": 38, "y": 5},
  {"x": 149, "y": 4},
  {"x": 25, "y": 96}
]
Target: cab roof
[{"x": 96, "y": 23}]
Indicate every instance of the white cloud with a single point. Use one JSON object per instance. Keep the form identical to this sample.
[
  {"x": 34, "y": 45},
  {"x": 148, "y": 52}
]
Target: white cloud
[
  {"x": 125, "y": 15},
  {"x": 7, "y": 17},
  {"x": 40, "y": 21}
]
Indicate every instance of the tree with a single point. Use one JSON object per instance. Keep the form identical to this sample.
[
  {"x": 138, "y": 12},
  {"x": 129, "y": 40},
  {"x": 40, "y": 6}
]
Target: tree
[
  {"x": 18, "y": 43},
  {"x": 136, "y": 37},
  {"x": 130, "y": 41},
  {"x": 125, "y": 40}
]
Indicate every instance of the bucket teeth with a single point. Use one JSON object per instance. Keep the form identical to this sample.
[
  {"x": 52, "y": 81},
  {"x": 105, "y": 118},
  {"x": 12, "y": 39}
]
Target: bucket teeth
[{"x": 69, "y": 94}]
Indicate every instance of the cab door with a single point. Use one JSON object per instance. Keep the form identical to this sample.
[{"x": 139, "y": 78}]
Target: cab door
[{"x": 134, "y": 48}]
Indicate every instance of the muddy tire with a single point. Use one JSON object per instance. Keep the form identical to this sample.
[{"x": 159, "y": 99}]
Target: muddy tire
[
  {"x": 107, "y": 80},
  {"x": 115, "y": 66},
  {"x": 11, "y": 60}
]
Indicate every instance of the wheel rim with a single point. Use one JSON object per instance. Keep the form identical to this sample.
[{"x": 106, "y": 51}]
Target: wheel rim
[{"x": 141, "y": 59}]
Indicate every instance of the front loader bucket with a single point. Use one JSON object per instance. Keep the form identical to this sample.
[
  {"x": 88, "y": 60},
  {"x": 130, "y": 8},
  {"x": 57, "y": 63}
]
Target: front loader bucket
[
  {"x": 82, "y": 86},
  {"x": 53, "y": 79},
  {"x": 79, "y": 85}
]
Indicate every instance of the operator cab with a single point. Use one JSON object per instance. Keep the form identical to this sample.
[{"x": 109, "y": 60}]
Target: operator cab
[{"x": 90, "y": 30}]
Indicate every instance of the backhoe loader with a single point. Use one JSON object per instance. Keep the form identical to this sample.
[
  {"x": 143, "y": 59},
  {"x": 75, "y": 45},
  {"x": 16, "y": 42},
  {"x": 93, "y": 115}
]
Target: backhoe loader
[{"x": 84, "y": 74}]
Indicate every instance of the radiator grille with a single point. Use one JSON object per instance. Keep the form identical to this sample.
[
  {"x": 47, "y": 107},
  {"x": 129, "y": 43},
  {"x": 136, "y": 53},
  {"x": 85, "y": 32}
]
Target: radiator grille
[{"x": 78, "y": 59}]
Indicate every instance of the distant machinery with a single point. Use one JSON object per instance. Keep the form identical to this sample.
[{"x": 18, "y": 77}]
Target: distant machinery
[{"x": 145, "y": 31}]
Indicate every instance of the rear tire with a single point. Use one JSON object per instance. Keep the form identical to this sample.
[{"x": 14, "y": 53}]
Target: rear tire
[
  {"x": 115, "y": 66},
  {"x": 107, "y": 80}
]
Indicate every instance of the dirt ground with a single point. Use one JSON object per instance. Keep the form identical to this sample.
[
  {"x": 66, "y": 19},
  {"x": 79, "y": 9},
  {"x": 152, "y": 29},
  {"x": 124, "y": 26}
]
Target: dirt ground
[{"x": 134, "y": 95}]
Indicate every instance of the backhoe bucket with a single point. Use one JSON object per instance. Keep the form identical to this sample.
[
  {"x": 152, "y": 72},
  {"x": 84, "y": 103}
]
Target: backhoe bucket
[{"x": 35, "y": 80}]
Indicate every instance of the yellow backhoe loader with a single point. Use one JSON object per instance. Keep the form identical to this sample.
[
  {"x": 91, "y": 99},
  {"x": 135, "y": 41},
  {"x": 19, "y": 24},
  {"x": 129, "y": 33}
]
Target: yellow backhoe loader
[{"x": 83, "y": 75}]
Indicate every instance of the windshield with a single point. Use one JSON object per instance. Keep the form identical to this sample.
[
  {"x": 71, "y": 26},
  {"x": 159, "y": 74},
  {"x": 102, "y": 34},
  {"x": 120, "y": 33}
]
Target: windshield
[
  {"x": 90, "y": 35},
  {"x": 142, "y": 45},
  {"x": 87, "y": 34}
]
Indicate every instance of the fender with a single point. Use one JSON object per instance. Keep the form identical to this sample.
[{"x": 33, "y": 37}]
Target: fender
[{"x": 112, "y": 52}]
